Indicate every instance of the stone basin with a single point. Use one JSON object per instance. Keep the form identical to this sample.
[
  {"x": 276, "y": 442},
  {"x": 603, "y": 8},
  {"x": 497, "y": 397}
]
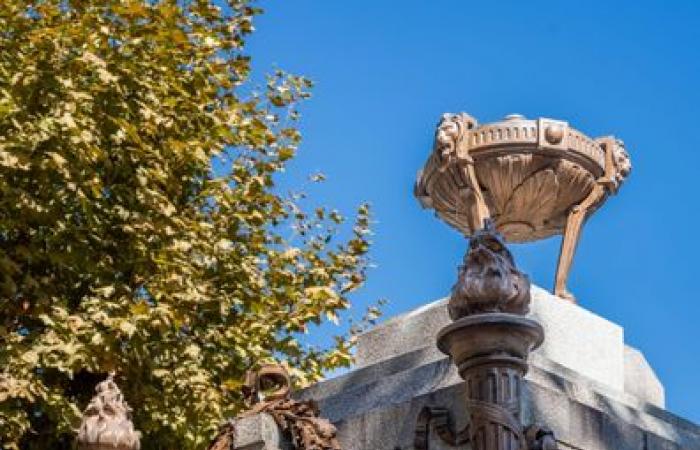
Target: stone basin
[{"x": 531, "y": 173}]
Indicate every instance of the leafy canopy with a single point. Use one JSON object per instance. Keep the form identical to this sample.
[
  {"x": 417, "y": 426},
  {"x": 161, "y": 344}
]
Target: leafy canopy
[{"x": 140, "y": 230}]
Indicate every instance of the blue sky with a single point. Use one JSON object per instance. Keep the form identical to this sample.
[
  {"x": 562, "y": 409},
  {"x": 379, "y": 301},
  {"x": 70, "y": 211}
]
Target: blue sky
[{"x": 386, "y": 70}]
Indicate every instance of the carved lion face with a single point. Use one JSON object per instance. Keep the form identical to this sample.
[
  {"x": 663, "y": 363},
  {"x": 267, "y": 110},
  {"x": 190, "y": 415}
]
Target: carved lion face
[
  {"x": 489, "y": 281},
  {"x": 449, "y": 132}
]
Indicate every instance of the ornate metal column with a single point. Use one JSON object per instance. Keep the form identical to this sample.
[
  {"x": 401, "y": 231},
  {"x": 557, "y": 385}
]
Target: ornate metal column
[{"x": 489, "y": 342}]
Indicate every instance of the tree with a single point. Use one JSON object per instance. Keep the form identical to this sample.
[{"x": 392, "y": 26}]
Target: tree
[{"x": 140, "y": 228}]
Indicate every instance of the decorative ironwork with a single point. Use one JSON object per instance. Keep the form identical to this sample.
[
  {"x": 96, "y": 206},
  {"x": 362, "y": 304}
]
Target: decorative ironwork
[
  {"x": 267, "y": 390},
  {"x": 489, "y": 341},
  {"x": 441, "y": 421}
]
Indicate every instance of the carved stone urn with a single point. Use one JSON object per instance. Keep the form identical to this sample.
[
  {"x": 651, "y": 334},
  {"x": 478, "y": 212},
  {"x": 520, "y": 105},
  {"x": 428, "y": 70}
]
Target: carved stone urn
[{"x": 533, "y": 178}]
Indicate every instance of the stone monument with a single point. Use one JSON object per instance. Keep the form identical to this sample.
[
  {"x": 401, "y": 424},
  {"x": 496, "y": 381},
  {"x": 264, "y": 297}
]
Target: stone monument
[{"x": 501, "y": 364}]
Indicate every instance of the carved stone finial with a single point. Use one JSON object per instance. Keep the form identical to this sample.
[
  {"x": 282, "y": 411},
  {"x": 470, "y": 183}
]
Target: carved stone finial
[
  {"x": 488, "y": 280},
  {"x": 107, "y": 422}
]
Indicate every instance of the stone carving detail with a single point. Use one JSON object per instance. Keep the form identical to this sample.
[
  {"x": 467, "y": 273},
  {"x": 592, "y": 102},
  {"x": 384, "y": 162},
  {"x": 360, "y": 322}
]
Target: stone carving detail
[
  {"x": 451, "y": 129},
  {"x": 441, "y": 421},
  {"x": 106, "y": 421},
  {"x": 617, "y": 168},
  {"x": 268, "y": 391},
  {"x": 540, "y": 438},
  {"x": 533, "y": 178},
  {"x": 489, "y": 281},
  {"x": 536, "y": 437},
  {"x": 489, "y": 342}
]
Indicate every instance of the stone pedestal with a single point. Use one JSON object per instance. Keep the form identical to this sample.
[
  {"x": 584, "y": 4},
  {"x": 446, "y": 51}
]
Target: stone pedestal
[{"x": 584, "y": 383}]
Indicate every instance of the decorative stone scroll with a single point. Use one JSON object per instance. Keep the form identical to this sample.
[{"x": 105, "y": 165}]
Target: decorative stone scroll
[
  {"x": 533, "y": 178},
  {"x": 489, "y": 342},
  {"x": 267, "y": 390},
  {"x": 106, "y": 423}
]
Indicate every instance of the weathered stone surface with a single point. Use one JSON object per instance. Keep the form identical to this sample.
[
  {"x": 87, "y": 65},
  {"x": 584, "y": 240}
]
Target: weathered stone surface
[
  {"x": 641, "y": 380},
  {"x": 375, "y": 407},
  {"x": 600, "y": 353},
  {"x": 577, "y": 425},
  {"x": 259, "y": 432},
  {"x": 408, "y": 332},
  {"x": 377, "y": 410}
]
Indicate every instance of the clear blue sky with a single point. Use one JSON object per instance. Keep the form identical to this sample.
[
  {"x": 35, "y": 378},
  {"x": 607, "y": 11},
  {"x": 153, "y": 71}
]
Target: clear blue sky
[{"x": 386, "y": 70}]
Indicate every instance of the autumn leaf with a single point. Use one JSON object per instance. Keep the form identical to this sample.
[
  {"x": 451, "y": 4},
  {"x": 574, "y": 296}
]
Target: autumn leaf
[{"x": 142, "y": 231}]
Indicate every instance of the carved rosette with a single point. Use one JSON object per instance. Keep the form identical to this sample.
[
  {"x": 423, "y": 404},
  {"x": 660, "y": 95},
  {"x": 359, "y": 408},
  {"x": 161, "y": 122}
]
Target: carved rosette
[{"x": 107, "y": 422}]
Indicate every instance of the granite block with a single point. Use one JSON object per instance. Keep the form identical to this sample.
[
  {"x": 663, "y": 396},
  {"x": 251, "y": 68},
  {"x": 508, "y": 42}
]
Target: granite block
[{"x": 575, "y": 339}]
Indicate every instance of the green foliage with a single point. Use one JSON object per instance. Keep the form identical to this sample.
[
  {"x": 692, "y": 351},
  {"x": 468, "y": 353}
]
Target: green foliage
[{"x": 140, "y": 230}]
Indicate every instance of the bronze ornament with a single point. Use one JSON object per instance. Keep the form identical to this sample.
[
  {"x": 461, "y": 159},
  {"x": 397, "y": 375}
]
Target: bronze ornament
[
  {"x": 489, "y": 281},
  {"x": 489, "y": 341},
  {"x": 533, "y": 178}
]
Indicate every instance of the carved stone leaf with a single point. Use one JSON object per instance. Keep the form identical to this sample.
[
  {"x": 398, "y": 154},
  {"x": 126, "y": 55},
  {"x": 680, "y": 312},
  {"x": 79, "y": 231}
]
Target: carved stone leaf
[
  {"x": 501, "y": 175},
  {"x": 445, "y": 190},
  {"x": 451, "y": 198},
  {"x": 575, "y": 183},
  {"x": 534, "y": 199}
]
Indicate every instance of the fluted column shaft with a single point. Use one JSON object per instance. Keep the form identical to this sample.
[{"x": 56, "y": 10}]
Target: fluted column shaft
[{"x": 493, "y": 397}]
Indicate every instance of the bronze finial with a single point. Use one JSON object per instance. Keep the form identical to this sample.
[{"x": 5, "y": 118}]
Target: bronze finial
[
  {"x": 488, "y": 280},
  {"x": 106, "y": 423}
]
